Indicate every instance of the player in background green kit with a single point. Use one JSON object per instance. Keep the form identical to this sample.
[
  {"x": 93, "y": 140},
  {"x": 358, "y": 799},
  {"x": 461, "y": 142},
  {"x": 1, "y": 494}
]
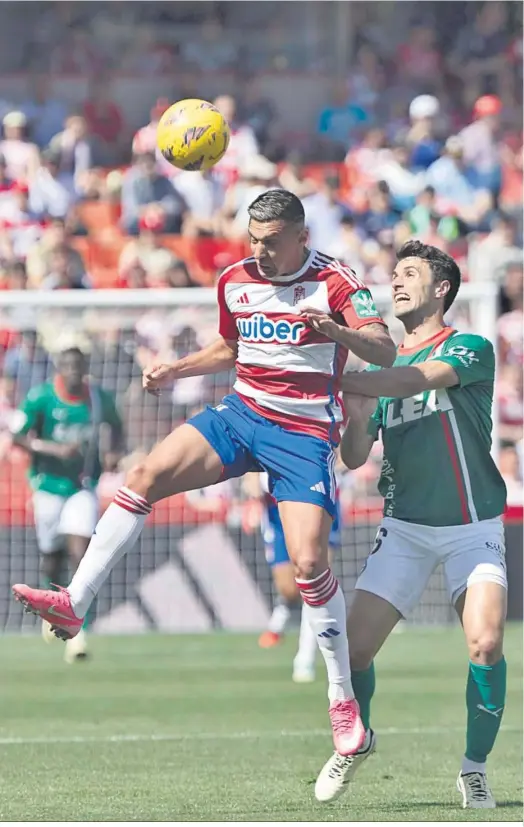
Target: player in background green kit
[
  {"x": 60, "y": 424},
  {"x": 443, "y": 500}
]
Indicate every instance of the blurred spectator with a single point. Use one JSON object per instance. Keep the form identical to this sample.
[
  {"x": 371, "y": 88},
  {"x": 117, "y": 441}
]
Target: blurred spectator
[
  {"x": 104, "y": 120},
  {"x": 404, "y": 184},
  {"x": 479, "y": 54},
  {"x": 62, "y": 275},
  {"x": 147, "y": 193},
  {"x": 365, "y": 83},
  {"x": 347, "y": 244},
  {"x": 455, "y": 193},
  {"x": 509, "y": 467},
  {"x": 40, "y": 256},
  {"x": 44, "y": 112},
  {"x": 211, "y": 50},
  {"x": 22, "y": 228},
  {"x": 418, "y": 59},
  {"x": 381, "y": 214},
  {"x": 21, "y": 156},
  {"x": 421, "y": 139},
  {"x": 292, "y": 176},
  {"x": 49, "y": 193},
  {"x": 511, "y": 408},
  {"x": 511, "y": 322},
  {"x": 75, "y": 54},
  {"x": 480, "y": 142},
  {"x": 242, "y": 144},
  {"x": 7, "y": 191},
  {"x": 75, "y": 148},
  {"x": 490, "y": 256},
  {"x": 338, "y": 124},
  {"x": 382, "y": 270},
  {"x": 145, "y": 139},
  {"x": 149, "y": 252},
  {"x": 27, "y": 363},
  {"x": 13, "y": 276},
  {"x": 148, "y": 55},
  {"x": 204, "y": 197},
  {"x": 256, "y": 176},
  {"x": 324, "y": 211},
  {"x": 133, "y": 277}
]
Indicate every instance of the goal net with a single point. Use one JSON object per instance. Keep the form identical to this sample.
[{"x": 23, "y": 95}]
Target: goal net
[{"x": 200, "y": 563}]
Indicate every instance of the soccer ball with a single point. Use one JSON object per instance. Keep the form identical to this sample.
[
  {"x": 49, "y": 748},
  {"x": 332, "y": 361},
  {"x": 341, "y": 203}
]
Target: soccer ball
[{"x": 193, "y": 135}]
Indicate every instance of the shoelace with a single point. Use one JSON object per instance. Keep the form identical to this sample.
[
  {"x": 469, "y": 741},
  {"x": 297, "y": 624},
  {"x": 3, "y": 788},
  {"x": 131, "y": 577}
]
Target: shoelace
[
  {"x": 342, "y": 717},
  {"x": 340, "y": 764},
  {"x": 477, "y": 785}
]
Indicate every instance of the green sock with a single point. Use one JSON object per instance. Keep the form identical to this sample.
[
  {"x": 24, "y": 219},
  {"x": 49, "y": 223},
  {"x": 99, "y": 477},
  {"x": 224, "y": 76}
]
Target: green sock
[
  {"x": 485, "y": 698},
  {"x": 364, "y": 689}
]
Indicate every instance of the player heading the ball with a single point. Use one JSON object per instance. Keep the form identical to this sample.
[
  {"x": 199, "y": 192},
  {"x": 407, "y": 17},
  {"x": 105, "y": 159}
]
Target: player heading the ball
[{"x": 283, "y": 417}]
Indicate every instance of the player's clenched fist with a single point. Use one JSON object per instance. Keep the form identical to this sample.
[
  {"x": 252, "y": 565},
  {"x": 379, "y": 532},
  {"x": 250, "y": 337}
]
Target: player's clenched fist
[{"x": 157, "y": 376}]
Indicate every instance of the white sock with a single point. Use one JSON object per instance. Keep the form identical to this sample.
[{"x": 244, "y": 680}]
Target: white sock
[
  {"x": 280, "y": 618},
  {"x": 325, "y": 609},
  {"x": 116, "y": 533},
  {"x": 472, "y": 766},
  {"x": 307, "y": 645}
]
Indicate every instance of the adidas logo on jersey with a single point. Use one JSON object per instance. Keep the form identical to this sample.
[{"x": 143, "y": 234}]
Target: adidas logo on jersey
[
  {"x": 244, "y": 299},
  {"x": 258, "y": 328},
  {"x": 319, "y": 486}
]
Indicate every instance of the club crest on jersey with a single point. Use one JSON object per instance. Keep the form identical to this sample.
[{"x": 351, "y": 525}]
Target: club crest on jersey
[
  {"x": 259, "y": 328},
  {"x": 299, "y": 294}
]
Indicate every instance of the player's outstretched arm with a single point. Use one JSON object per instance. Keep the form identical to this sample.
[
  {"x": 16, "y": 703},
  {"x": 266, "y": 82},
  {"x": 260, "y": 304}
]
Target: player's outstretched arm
[
  {"x": 371, "y": 342},
  {"x": 356, "y": 440},
  {"x": 218, "y": 356},
  {"x": 401, "y": 382}
]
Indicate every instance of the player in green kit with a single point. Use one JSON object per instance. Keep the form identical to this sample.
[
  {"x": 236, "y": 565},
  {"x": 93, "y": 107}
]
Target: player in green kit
[
  {"x": 443, "y": 500},
  {"x": 59, "y": 423}
]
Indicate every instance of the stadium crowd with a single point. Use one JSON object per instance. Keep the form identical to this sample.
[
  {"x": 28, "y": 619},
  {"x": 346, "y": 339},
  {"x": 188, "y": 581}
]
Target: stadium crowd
[{"x": 422, "y": 138}]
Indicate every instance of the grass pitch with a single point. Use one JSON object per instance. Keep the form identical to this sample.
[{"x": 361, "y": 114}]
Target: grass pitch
[{"x": 211, "y": 728}]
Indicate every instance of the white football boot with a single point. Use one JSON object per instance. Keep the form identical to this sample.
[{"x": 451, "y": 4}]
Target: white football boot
[
  {"x": 76, "y": 648},
  {"x": 336, "y": 773},
  {"x": 476, "y": 794}
]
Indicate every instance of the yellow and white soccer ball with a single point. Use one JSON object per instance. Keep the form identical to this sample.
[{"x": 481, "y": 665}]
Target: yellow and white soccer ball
[{"x": 193, "y": 135}]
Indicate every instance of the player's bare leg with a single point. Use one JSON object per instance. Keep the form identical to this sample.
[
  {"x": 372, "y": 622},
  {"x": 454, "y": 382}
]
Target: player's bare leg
[
  {"x": 370, "y": 621},
  {"x": 482, "y": 611},
  {"x": 306, "y": 530},
  {"x": 76, "y": 647},
  {"x": 181, "y": 462}
]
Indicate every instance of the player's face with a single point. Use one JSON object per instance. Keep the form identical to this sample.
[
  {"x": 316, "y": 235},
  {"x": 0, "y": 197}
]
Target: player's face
[
  {"x": 278, "y": 247},
  {"x": 72, "y": 369},
  {"x": 415, "y": 292}
]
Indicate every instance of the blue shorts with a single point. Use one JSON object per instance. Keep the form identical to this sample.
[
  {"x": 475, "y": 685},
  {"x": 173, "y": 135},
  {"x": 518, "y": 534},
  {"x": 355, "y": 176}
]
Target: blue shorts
[
  {"x": 273, "y": 535},
  {"x": 300, "y": 467}
]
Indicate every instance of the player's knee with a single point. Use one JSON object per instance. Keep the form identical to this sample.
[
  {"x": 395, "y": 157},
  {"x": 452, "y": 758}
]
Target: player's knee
[
  {"x": 141, "y": 479},
  {"x": 360, "y": 656},
  {"x": 307, "y": 566},
  {"x": 486, "y": 648}
]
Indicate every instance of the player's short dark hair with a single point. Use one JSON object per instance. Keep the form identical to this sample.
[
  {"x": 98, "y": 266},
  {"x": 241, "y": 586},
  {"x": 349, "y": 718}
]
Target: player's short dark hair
[
  {"x": 277, "y": 205},
  {"x": 443, "y": 267}
]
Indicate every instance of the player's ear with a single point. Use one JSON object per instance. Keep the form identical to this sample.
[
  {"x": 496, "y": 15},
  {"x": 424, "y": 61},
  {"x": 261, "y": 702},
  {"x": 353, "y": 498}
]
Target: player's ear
[
  {"x": 442, "y": 289},
  {"x": 304, "y": 235}
]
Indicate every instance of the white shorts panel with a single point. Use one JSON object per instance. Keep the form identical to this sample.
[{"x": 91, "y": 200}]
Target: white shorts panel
[
  {"x": 80, "y": 514},
  {"x": 398, "y": 567},
  {"x": 474, "y": 553},
  {"x": 57, "y": 516},
  {"x": 408, "y": 553}
]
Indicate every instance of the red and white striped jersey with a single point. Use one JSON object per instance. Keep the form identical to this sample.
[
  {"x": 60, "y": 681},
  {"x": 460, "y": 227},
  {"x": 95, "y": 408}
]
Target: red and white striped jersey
[{"x": 286, "y": 371}]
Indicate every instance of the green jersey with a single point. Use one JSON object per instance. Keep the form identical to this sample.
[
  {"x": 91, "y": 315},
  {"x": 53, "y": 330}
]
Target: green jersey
[
  {"x": 437, "y": 468},
  {"x": 55, "y": 418}
]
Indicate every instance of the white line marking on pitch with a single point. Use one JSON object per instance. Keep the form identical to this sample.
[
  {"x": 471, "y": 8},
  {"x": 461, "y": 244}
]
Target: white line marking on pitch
[{"x": 218, "y": 736}]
